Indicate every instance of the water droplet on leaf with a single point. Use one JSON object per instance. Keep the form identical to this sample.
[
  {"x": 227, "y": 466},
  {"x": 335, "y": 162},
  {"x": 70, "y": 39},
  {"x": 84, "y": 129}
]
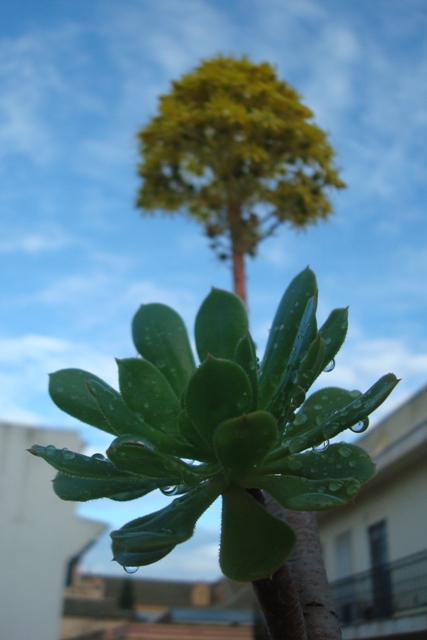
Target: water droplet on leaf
[
  {"x": 131, "y": 569},
  {"x": 98, "y": 456},
  {"x": 169, "y": 491},
  {"x": 68, "y": 455},
  {"x": 330, "y": 366},
  {"x": 321, "y": 447},
  {"x": 361, "y": 426}
]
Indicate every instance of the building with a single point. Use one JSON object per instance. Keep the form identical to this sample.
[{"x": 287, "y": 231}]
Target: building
[
  {"x": 101, "y": 607},
  {"x": 39, "y": 535},
  {"x": 375, "y": 549}
]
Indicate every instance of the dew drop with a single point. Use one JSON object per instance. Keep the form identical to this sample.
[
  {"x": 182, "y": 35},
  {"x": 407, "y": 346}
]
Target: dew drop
[
  {"x": 50, "y": 449},
  {"x": 298, "y": 397},
  {"x": 330, "y": 366},
  {"x": 361, "y": 426},
  {"x": 345, "y": 452},
  {"x": 131, "y": 569},
  {"x": 335, "y": 486},
  {"x": 352, "y": 489},
  {"x": 68, "y": 455},
  {"x": 321, "y": 447},
  {"x": 98, "y": 456},
  {"x": 300, "y": 419},
  {"x": 169, "y": 491}
]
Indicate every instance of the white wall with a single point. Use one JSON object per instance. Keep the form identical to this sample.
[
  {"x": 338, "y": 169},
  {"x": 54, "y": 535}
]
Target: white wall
[
  {"x": 39, "y": 533},
  {"x": 402, "y": 502}
]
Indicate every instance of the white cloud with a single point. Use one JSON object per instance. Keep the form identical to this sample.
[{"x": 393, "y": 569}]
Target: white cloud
[
  {"x": 34, "y": 242},
  {"x": 25, "y": 363}
]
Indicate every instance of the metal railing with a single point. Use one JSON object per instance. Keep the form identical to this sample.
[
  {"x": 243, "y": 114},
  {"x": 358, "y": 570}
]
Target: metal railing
[{"x": 384, "y": 591}]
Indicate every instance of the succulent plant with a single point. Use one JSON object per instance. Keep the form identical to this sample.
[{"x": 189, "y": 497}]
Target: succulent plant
[{"x": 224, "y": 428}]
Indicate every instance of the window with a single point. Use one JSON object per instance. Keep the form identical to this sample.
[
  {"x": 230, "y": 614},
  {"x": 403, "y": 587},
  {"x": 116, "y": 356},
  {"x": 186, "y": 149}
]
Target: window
[{"x": 381, "y": 580}]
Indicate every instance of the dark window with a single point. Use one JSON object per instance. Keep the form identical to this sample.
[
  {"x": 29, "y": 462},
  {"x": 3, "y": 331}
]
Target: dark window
[{"x": 382, "y": 593}]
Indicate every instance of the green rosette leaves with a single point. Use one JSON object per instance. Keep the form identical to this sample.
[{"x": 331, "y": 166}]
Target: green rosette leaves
[
  {"x": 253, "y": 542},
  {"x": 229, "y": 427},
  {"x": 221, "y": 323},
  {"x": 160, "y": 336}
]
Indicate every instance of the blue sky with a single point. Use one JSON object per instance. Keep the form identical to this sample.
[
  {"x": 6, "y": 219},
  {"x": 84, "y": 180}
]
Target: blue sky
[{"x": 79, "y": 78}]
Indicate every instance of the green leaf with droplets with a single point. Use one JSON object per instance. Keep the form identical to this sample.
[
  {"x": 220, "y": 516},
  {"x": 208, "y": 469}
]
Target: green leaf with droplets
[
  {"x": 346, "y": 417},
  {"x": 219, "y": 390},
  {"x": 68, "y": 389},
  {"x": 83, "y": 489},
  {"x": 243, "y": 442},
  {"x": 333, "y": 332},
  {"x": 283, "y": 332},
  {"x": 254, "y": 543},
  {"x": 139, "y": 558},
  {"x": 160, "y": 336},
  {"x": 245, "y": 356},
  {"x": 147, "y": 392},
  {"x": 319, "y": 407},
  {"x": 126, "y": 421},
  {"x": 202, "y": 448},
  {"x": 130, "y": 453},
  {"x": 77, "y": 464},
  {"x": 303, "y": 494},
  {"x": 168, "y": 527},
  {"x": 221, "y": 323},
  {"x": 279, "y": 404},
  {"x": 339, "y": 460}
]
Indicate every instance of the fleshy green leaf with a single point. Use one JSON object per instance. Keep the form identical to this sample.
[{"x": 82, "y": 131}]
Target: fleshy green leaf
[
  {"x": 279, "y": 404},
  {"x": 77, "y": 464},
  {"x": 245, "y": 356},
  {"x": 348, "y": 416},
  {"x": 130, "y": 453},
  {"x": 333, "y": 332},
  {"x": 166, "y": 528},
  {"x": 68, "y": 389},
  {"x": 219, "y": 390},
  {"x": 82, "y": 489},
  {"x": 203, "y": 450},
  {"x": 283, "y": 332},
  {"x": 253, "y": 543},
  {"x": 243, "y": 442},
  {"x": 220, "y": 323},
  {"x": 147, "y": 392},
  {"x": 160, "y": 336},
  {"x": 303, "y": 494},
  {"x": 319, "y": 407},
  {"x": 125, "y": 421},
  {"x": 339, "y": 460}
]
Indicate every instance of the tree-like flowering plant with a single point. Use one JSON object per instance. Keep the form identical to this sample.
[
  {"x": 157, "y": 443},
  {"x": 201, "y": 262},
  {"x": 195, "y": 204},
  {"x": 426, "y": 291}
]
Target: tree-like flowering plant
[{"x": 223, "y": 428}]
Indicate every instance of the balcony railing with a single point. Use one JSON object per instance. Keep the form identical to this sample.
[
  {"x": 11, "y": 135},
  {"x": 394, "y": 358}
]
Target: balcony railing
[{"x": 384, "y": 591}]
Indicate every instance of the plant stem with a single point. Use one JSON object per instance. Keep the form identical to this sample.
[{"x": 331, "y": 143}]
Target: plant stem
[
  {"x": 277, "y": 595},
  {"x": 309, "y": 575}
]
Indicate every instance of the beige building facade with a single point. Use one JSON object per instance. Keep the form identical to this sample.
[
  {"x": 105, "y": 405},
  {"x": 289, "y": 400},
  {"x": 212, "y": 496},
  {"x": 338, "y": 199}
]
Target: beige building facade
[
  {"x": 39, "y": 535},
  {"x": 375, "y": 549}
]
